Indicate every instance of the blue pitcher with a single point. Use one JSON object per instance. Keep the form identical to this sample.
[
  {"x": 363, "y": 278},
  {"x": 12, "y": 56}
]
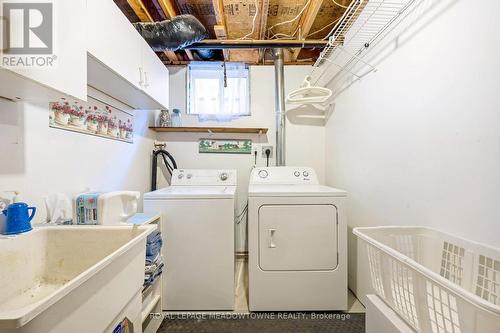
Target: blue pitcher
[{"x": 18, "y": 218}]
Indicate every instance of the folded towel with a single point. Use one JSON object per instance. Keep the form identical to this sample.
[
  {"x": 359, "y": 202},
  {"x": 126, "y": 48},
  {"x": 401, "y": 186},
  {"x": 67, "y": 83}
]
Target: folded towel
[
  {"x": 153, "y": 237},
  {"x": 153, "y": 248},
  {"x": 156, "y": 260},
  {"x": 151, "y": 278},
  {"x": 151, "y": 267},
  {"x": 152, "y": 258},
  {"x": 157, "y": 269}
]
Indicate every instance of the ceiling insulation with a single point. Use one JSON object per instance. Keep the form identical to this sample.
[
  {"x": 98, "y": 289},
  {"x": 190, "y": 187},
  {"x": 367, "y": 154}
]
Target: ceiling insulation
[{"x": 246, "y": 19}]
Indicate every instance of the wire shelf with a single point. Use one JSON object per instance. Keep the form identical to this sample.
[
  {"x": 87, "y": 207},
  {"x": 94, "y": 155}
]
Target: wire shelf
[{"x": 363, "y": 25}]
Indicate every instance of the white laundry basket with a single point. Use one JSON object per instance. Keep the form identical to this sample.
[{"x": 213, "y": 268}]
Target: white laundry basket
[{"x": 436, "y": 282}]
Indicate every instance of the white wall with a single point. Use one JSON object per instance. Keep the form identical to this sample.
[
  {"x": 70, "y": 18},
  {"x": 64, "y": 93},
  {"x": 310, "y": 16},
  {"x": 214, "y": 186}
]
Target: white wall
[
  {"x": 38, "y": 160},
  {"x": 418, "y": 142},
  {"x": 305, "y": 142}
]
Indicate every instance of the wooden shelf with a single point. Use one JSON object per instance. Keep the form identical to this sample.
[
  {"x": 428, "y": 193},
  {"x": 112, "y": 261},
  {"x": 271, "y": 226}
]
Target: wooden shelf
[{"x": 246, "y": 130}]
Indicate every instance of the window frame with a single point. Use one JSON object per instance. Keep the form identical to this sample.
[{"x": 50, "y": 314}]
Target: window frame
[{"x": 229, "y": 74}]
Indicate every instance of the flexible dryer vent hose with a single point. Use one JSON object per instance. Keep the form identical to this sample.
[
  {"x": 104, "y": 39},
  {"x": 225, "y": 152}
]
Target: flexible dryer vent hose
[{"x": 172, "y": 35}]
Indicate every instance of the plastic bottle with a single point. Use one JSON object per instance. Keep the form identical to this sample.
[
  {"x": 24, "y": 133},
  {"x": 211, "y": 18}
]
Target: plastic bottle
[{"x": 176, "y": 118}]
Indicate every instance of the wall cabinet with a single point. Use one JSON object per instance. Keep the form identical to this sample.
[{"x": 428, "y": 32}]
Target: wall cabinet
[
  {"x": 69, "y": 73},
  {"x": 119, "y": 47},
  {"x": 113, "y": 40},
  {"x": 156, "y": 77},
  {"x": 96, "y": 46}
]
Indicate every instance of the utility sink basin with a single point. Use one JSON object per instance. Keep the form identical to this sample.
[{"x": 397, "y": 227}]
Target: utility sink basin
[{"x": 70, "y": 278}]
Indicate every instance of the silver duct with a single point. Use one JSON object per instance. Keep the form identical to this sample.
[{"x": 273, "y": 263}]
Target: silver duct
[{"x": 279, "y": 81}]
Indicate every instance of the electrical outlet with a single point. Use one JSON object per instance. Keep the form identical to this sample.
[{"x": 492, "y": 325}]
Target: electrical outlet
[{"x": 264, "y": 148}]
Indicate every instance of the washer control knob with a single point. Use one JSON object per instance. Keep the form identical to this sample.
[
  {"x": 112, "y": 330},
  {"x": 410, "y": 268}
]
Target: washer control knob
[
  {"x": 296, "y": 174},
  {"x": 189, "y": 176},
  {"x": 180, "y": 176},
  {"x": 305, "y": 174},
  {"x": 224, "y": 176},
  {"x": 263, "y": 174}
]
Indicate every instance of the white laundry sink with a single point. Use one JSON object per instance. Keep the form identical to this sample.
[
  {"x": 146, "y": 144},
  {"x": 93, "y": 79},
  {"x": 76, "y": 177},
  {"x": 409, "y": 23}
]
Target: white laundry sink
[{"x": 70, "y": 278}]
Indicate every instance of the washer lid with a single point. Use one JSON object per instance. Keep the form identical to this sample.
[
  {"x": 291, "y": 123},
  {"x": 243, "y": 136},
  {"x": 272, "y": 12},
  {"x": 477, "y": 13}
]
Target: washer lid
[
  {"x": 192, "y": 192},
  {"x": 294, "y": 191}
]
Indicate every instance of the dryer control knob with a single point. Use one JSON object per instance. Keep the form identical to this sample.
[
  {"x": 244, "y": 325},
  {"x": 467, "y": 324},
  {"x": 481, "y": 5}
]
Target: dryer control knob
[
  {"x": 263, "y": 174},
  {"x": 180, "y": 176},
  {"x": 189, "y": 176},
  {"x": 296, "y": 173},
  {"x": 224, "y": 176},
  {"x": 305, "y": 174}
]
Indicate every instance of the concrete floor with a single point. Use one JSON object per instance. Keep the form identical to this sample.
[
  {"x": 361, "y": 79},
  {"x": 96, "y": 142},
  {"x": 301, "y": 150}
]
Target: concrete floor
[{"x": 210, "y": 321}]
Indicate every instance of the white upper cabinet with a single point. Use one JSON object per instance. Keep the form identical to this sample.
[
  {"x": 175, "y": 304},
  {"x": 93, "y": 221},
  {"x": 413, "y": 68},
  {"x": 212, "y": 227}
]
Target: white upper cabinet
[
  {"x": 156, "y": 77},
  {"x": 113, "y": 41},
  {"x": 95, "y": 46},
  {"x": 114, "y": 45},
  {"x": 68, "y": 75}
]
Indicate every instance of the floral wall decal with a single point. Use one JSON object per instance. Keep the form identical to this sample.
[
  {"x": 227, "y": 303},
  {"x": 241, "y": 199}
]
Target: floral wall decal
[
  {"x": 92, "y": 117},
  {"x": 243, "y": 146}
]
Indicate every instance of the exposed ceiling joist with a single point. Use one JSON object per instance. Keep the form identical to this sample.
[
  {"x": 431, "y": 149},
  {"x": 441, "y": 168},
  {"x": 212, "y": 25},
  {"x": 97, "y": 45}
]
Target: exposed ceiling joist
[
  {"x": 140, "y": 10},
  {"x": 168, "y": 8},
  {"x": 264, "y": 12},
  {"x": 219, "y": 12},
  {"x": 306, "y": 22},
  {"x": 262, "y": 27},
  {"x": 220, "y": 33},
  {"x": 155, "y": 10},
  {"x": 244, "y": 29},
  {"x": 220, "y": 29}
]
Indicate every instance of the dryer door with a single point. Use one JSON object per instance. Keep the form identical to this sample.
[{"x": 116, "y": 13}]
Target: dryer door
[{"x": 297, "y": 237}]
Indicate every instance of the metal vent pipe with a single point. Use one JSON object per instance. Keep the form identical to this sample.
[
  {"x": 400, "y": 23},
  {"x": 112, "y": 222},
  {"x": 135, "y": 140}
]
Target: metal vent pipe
[{"x": 279, "y": 81}]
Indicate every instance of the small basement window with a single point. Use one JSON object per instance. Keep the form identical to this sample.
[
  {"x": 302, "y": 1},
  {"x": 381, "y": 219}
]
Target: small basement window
[{"x": 218, "y": 93}]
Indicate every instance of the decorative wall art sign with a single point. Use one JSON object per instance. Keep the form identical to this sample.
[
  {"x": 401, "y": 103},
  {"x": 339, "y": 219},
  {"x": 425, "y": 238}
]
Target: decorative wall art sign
[
  {"x": 92, "y": 117},
  {"x": 225, "y": 146}
]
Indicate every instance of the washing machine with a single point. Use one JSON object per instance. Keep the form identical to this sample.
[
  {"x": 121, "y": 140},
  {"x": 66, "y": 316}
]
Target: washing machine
[
  {"x": 198, "y": 239},
  {"x": 297, "y": 242}
]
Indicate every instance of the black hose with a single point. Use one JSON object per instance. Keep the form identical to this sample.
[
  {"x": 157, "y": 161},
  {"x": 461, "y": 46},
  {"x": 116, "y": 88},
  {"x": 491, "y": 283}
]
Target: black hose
[{"x": 170, "y": 166}]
